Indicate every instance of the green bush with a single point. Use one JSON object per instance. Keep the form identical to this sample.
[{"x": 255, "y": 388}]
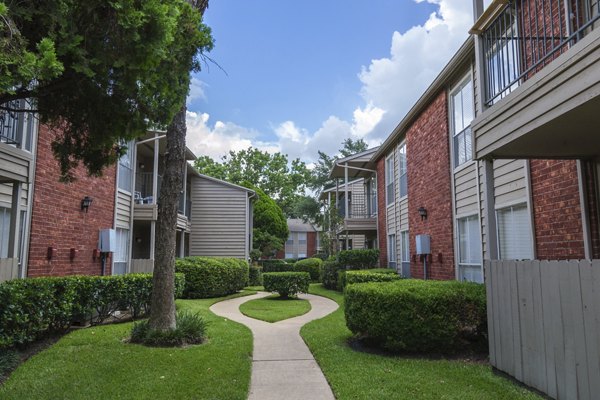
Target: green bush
[
  {"x": 276, "y": 266},
  {"x": 286, "y": 283},
  {"x": 366, "y": 275},
  {"x": 359, "y": 259},
  {"x": 290, "y": 260},
  {"x": 322, "y": 256},
  {"x": 35, "y": 307},
  {"x": 190, "y": 329},
  {"x": 310, "y": 265},
  {"x": 9, "y": 359},
  {"x": 212, "y": 277},
  {"x": 419, "y": 316},
  {"x": 255, "y": 276},
  {"x": 329, "y": 273}
]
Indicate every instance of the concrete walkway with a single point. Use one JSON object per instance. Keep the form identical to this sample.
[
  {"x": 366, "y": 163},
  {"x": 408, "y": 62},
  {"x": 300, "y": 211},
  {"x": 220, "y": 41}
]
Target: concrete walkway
[{"x": 282, "y": 365}]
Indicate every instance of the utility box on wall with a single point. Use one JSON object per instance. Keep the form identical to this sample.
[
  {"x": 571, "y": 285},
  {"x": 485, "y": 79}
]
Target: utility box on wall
[
  {"x": 423, "y": 244},
  {"x": 108, "y": 241}
]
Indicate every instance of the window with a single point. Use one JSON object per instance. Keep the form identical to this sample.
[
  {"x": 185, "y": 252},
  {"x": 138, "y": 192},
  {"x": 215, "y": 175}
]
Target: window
[
  {"x": 121, "y": 256},
  {"x": 402, "y": 180},
  {"x": 289, "y": 255},
  {"x": 514, "y": 233},
  {"x": 301, "y": 255},
  {"x": 462, "y": 115},
  {"x": 17, "y": 128},
  {"x": 392, "y": 250},
  {"x": 290, "y": 240},
  {"x": 389, "y": 180},
  {"x": 302, "y": 238},
  {"x": 405, "y": 249},
  {"x": 126, "y": 169},
  {"x": 4, "y": 231},
  {"x": 469, "y": 250}
]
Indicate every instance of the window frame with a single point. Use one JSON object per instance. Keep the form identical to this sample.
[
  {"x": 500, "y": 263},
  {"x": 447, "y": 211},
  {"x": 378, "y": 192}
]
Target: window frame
[
  {"x": 129, "y": 168},
  {"x": 402, "y": 171},
  {"x": 389, "y": 181},
  {"x": 528, "y": 229},
  {"x": 391, "y": 248},
  {"x": 459, "y": 137}
]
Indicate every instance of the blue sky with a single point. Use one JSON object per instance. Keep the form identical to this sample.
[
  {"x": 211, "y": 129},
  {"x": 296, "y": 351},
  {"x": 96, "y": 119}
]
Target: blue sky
[{"x": 302, "y": 76}]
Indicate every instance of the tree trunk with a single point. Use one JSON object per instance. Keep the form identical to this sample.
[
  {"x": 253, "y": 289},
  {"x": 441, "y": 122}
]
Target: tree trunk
[{"x": 162, "y": 311}]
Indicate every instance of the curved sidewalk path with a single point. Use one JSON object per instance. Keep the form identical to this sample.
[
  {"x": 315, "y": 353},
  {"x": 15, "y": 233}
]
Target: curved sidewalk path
[{"x": 282, "y": 365}]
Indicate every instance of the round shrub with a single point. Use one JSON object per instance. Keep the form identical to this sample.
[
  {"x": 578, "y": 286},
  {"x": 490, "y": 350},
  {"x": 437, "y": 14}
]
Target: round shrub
[
  {"x": 212, "y": 277},
  {"x": 276, "y": 266},
  {"x": 329, "y": 273},
  {"x": 310, "y": 265},
  {"x": 419, "y": 316},
  {"x": 367, "y": 275},
  {"x": 359, "y": 258},
  {"x": 286, "y": 283}
]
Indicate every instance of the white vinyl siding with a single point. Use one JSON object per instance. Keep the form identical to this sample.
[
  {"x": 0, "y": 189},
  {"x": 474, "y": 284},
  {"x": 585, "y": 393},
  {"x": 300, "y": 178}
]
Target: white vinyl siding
[
  {"x": 121, "y": 256},
  {"x": 514, "y": 233},
  {"x": 462, "y": 115},
  {"x": 469, "y": 250},
  {"x": 402, "y": 172}
]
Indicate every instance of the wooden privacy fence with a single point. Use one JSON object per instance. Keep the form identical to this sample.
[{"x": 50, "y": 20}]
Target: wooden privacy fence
[
  {"x": 544, "y": 324},
  {"x": 142, "y": 266}
]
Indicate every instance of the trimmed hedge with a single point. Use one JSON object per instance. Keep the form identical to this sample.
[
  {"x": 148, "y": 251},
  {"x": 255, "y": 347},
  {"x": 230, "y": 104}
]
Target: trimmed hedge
[
  {"x": 310, "y": 265},
  {"x": 212, "y": 276},
  {"x": 419, "y": 316},
  {"x": 286, "y": 283},
  {"x": 359, "y": 259},
  {"x": 255, "y": 275},
  {"x": 366, "y": 275},
  {"x": 276, "y": 266},
  {"x": 35, "y": 307},
  {"x": 329, "y": 273}
]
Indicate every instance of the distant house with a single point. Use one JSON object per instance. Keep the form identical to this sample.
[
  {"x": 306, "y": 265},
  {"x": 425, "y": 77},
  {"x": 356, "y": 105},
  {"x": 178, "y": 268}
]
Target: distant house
[{"x": 303, "y": 241}]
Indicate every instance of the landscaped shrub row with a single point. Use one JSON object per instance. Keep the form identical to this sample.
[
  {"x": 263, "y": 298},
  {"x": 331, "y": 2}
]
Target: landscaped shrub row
[
  {"x": 367, "y": 275},
  {"x": 329, "y": 273},
  {"x": 419, "y": 316},
  {"x": 34, "y": 307},
  {"x": 286, "y": 283},
  {"x": 212, "y": 277},
  {"x": 310, "y": 265},
  {"x": 275, "y": 266},
  {"x": 358, "y": 259}
]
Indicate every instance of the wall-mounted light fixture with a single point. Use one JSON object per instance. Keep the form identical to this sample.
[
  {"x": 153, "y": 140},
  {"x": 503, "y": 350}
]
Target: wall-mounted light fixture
[
  {"x": 423, "y": 213},
  {"x": 85, "y": 203}
]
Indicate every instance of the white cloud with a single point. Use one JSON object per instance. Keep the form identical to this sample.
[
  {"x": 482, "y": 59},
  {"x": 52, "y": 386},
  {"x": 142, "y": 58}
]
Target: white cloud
[
  {"x": 197, "y": 91},
  {"x": 390, "y": 86}
]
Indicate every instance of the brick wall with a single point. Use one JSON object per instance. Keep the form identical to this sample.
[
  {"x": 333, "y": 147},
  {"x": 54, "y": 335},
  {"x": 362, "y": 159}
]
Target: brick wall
[
  {"x": 428, "y": 163},
  {"x": 381, "y": 213},
  {"x": 311, "y": 244},
  {"x": 57, "y": 220},
  {"x": 557, "y": 210}
]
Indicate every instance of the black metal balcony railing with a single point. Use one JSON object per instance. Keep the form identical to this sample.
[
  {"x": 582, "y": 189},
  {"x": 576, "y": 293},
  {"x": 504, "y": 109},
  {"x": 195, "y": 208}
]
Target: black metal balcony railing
[
  {"x": 360, "y": 206},
  {"x": 528, "y": 35}
]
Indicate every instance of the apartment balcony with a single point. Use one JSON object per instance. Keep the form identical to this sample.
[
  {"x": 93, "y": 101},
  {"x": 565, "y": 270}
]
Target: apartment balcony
[
  {"x": 539, "y": 68},
  {"x": 362, "y": 214},
  {"x": 16, "y": 137}
]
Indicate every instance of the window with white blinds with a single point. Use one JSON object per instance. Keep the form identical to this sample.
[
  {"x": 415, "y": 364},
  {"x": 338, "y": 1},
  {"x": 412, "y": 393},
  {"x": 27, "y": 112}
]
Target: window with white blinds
[
  {"x": 404, "y": 244},
  {"x": 469, "y": 249},
  {"x": 389, "y": 180},
  {"x": 462, "y": 115},
  {"x": 121, "y": 256},
  {"x": 514, "y": 233},
  {"x": 402, "y": 172},
  {"x": 4, "y": 231},
  {"x": 392, "y": 250},
  {"x": 126, "y": 169}
]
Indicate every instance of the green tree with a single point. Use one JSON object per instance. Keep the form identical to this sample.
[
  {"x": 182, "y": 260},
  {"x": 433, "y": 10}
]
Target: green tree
[
  {"x": 272, "y": 173},
  {"x": 320, "y": 174},
  {"x": 270, "y": 225},
  {"x": 102, "y": 72}
]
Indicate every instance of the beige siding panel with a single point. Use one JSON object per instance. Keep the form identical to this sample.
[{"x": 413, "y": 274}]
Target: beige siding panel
[
  {"x": 509, "y": 182},
  {"x": 9, "y": 269},
  {"x": 404, "y": 214},
  {"x": 482, "y": 210},
  {"x": 142, "y": 266},
  {"x": 123, "y": 210},
  {"x": 14, "y": 164},
  {"x": 145, "y": 212},
  {"x": 465, "y": 191},
  {"x": 6, "y": 195},
  {"x": 219, "y": 218}
]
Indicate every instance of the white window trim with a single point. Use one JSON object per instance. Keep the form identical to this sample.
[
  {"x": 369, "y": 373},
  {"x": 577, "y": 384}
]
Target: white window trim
[
  {"x": 403, "y": 144},
  {"x": 387, "y": 179},
  {"x": 464, "y": 81}
]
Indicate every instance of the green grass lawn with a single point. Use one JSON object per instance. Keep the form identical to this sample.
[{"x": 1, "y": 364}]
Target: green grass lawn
[
  {"x": 357, "y": 375},
  {"x": 96, "y": 363},
  {"x": 274, "y": 308}
]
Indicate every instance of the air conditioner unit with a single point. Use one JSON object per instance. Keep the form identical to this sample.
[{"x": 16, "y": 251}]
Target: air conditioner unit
[
  {"x": 423, "y": 243},
  {"x": 108, "y": 241}
]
